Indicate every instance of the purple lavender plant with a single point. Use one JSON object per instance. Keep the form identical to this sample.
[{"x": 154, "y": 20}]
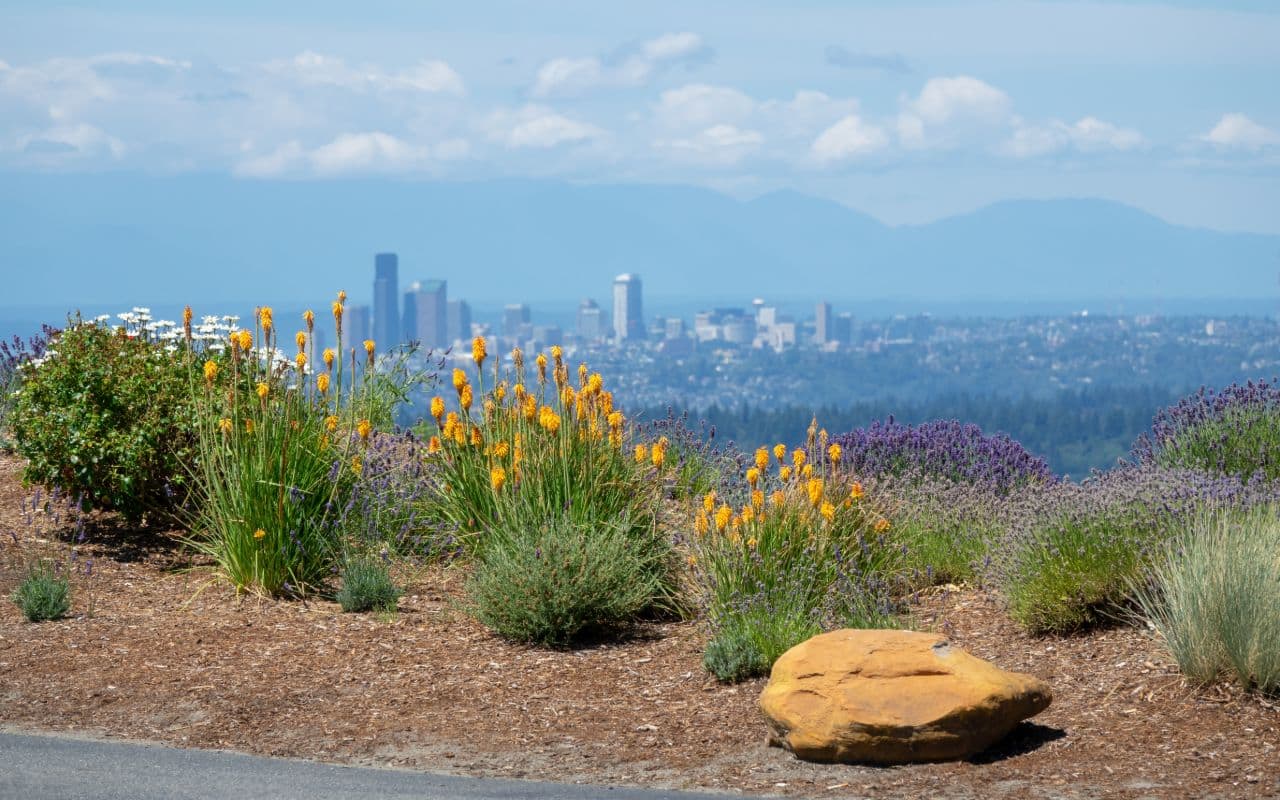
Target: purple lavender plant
[
  {"x": 1233, "y": 431},
  {"x": 1073, "y": 550},
  {"x": 945, "y": 449}
]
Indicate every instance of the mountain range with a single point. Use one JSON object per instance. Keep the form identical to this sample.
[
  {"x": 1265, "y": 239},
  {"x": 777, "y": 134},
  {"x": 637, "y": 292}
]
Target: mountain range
[{"x": 125, "y": 237}]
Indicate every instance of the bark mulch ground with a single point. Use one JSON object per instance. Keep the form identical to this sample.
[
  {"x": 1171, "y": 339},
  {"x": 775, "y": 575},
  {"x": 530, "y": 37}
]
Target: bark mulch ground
[{"x": 168, "y": 655}]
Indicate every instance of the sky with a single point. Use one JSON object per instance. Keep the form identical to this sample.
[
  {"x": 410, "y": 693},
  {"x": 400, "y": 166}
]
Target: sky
[{"x": 907, "y": 111}]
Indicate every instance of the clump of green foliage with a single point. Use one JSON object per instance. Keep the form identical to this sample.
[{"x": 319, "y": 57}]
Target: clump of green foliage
[
  {"x": 43, "y": 594},
  {"x": 107, "y": 417},
  {"x": 367, "y": 586},
  {"x": 558, "y": 578}
]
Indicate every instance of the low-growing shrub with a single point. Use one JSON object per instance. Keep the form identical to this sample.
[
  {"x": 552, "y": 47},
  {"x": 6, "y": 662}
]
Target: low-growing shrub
[
  {"x": 942, "y": 449},
  {"x": 552, "y": 580},
  {"x": 105, "y": 415},
  {"x": 947, "y": 528},
  {"x": 1235, "y": 431},
  {"x": 366, "y": 586},
  {"x": 43, "y": 594},
  {"x": 1073, "y": 550},
  {"x": 803, "y": 551},
  {"x": 1214, "y": 596}
]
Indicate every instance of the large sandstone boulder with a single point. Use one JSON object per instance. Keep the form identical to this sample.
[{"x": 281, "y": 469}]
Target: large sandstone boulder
[{"x": 888, "y": 696}]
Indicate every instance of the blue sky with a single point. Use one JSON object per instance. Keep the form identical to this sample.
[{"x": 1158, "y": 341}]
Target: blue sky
[{"x": 907, "y": 111}]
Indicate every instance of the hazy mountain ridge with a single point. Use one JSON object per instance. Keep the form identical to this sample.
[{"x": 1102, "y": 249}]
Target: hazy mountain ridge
[{"x": 174, "y": 238}]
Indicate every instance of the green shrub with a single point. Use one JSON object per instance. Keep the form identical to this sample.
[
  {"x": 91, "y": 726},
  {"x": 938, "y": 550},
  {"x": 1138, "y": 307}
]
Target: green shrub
[
  {"x": 366, "y": 585},
  {"x": 43, "y": 594},
  {"x": 1233, "y": 431},
  {"x": 1074, "y": 551},
  {"x": 947, "y": 528},
  {"x": 558, "y": 578},
  {"x": 106, "y": 416},
  {"x": 1214, "y": 597},
  {"x": 736, "y": 653}
]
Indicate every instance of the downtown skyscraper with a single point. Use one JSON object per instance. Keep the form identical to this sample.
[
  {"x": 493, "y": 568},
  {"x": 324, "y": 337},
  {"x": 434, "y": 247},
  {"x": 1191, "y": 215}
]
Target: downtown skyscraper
[
  {"x": 386, "y": 295},
  {"x": 628, "y": 319}
]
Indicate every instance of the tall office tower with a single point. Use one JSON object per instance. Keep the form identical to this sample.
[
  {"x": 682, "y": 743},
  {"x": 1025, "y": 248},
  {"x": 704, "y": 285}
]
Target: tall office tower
[
  {"x": 842, "y": 328},
  {"x": 515, "y": 318},
  {"x": 628, "y": 319},
  {"x": 426, "y": 313},
  {"x": 824, "y": 332},
  {"x": 386, "y": 288},
  {"x": 590, "y": 320},
  {"x": 355, "y": 328},
  {"x": 457, "y": 327}
]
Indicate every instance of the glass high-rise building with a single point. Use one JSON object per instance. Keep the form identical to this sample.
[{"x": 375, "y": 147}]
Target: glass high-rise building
[
  {"x": 386, "y": 291},
  {"x": 458, "y": 324},
  {"x": 426, "y": 313},
  {"x": 628, "y": 319}
]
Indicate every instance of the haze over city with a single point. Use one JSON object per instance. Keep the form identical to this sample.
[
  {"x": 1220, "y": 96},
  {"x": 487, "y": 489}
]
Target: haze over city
[{"x": 153, "y": 154}]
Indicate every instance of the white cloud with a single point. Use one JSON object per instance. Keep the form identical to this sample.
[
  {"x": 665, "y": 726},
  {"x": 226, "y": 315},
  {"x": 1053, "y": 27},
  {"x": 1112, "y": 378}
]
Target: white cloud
[
  {"x": 718, "y": 145},
  {"x": 699, "y": 105},
  {"x": 951, "y": 110},
  {"x": 366, "y": 152},
  {"x": 851, "y": 137},
  {"x": 311, "y": 68},
  {"x": 633, "y": 66},
  {"x": 1238, "y": 131},
  {"x": 1087, "y": 135},
  {"x": 62, "y": 143},
  {"x": 363, "y": 152},
  {"x": 538, "y": 127},
  {"x": 568, "y": 75}
]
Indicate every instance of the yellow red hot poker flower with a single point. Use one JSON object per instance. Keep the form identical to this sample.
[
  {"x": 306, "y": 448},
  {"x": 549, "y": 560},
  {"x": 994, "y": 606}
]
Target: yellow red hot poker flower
[
  {"x": 210, "y": 371},
  {"x": 478, "y": 351},
  {"x": 762, "y": 459}
]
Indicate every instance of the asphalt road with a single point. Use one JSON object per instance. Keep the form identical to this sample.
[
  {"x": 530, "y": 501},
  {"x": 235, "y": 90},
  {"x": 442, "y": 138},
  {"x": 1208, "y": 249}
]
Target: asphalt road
[{"x": 60, "y": 768}]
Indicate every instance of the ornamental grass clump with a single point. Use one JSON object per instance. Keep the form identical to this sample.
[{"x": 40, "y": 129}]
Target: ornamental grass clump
[
  {"x": 1213, "y": 594},
  {"x": 1073, "y": 550},
  {"x": 1234, "y": 431},
  {"x": 945, "y": 450},
  {"x": 795, "y": 549},
  {"x": 43, "y": 594},
  {"x": 282, "y": 441}
]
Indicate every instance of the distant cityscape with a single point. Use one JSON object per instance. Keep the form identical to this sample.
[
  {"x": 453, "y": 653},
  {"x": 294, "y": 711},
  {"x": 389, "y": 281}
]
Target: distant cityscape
[
  {"x": 733, "y": 356},
  {"x": 424, "y": 313}
]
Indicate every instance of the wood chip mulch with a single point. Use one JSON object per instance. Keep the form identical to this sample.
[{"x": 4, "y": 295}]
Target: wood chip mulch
[{"x": 168, "y": 655}]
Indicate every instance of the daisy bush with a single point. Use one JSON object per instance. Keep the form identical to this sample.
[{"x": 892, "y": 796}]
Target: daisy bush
[
  {"x": 104, "y": 414},
  {"x": 796, "y": 548}
]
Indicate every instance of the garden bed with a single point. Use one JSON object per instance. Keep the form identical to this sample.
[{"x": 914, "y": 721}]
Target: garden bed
[{"x": 170, "y": 656}]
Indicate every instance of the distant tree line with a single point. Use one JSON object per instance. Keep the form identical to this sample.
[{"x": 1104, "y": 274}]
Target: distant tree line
[{"x": 1076, "y": 430}]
